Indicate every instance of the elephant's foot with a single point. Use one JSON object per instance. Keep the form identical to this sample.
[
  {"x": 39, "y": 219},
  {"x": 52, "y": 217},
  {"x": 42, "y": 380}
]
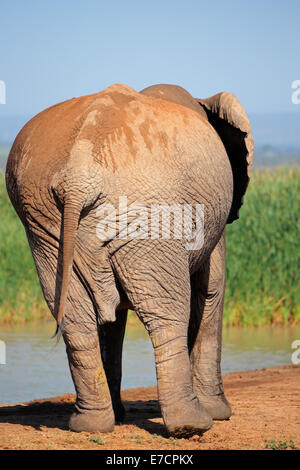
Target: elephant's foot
[
  {"x": 119, "y": 411},
  {"x": 185, "y": 419},
  {"x": 92, "y": 421},
  {"x": 217, "y": 406}
]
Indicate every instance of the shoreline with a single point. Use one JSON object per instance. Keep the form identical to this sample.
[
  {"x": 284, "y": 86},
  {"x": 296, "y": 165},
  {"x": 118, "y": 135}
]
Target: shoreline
[{"x": 265, "y": 403}]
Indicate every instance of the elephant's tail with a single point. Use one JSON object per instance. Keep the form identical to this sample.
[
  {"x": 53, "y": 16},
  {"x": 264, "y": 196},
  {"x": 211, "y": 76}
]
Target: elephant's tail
[{"x": 71, "y": 215}]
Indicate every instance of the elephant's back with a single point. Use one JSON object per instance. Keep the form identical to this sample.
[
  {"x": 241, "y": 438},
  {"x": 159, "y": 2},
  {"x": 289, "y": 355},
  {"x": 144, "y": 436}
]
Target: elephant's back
[
  {"x": 118, "y": 118},
  {"x": 118, "y": 129}
]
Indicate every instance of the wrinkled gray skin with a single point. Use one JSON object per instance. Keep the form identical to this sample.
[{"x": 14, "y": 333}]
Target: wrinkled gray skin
[{"x": 157, "y": 146}]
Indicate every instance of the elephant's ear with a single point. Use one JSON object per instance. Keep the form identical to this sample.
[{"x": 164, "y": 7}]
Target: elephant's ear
[{"x": 226, "y": 114}]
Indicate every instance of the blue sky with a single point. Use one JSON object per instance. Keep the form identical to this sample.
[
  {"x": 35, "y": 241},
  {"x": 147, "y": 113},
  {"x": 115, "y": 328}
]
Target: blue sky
[{"x": 52, "y": 51}]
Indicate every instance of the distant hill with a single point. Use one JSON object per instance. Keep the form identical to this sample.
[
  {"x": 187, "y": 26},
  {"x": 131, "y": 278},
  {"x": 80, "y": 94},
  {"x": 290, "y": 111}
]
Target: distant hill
[
  {"x": 277, "y": 130},
  {"x": 269, "y": 156}
]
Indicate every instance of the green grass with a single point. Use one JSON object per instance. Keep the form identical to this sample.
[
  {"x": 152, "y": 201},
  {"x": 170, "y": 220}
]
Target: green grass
[
  {"x": 21, "y": 298},
  {"x": 96, "y": 440},
  {"x": 263, "y": 252},
  {"x": 263, "y": 257},
  {"x": 279, "y": 445}
]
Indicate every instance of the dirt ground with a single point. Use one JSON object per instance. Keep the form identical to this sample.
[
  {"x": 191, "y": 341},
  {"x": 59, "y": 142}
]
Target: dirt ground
[{"x": 265, "y": 403}]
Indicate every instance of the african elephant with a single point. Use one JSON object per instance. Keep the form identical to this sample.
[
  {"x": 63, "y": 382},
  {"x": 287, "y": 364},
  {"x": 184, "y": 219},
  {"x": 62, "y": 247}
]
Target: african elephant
[{"x": 156, "y": 147}]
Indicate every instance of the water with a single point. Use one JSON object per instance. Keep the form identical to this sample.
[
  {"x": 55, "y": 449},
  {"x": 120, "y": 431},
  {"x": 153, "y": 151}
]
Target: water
[{"x": 37, "y": 368}]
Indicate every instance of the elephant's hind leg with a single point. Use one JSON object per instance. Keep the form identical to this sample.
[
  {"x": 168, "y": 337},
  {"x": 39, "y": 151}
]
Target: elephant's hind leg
[
  {"x": 93, "y": 402},
  {"x": 111, "y": 341},
  {"x": 157, "y": 283},
  {"x": 205, "y": 333}
]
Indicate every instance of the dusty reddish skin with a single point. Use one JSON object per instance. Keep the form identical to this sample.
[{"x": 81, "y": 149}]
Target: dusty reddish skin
[
  {"x": 265, "y": 407},
  {"x": 158, "y": 146}
]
